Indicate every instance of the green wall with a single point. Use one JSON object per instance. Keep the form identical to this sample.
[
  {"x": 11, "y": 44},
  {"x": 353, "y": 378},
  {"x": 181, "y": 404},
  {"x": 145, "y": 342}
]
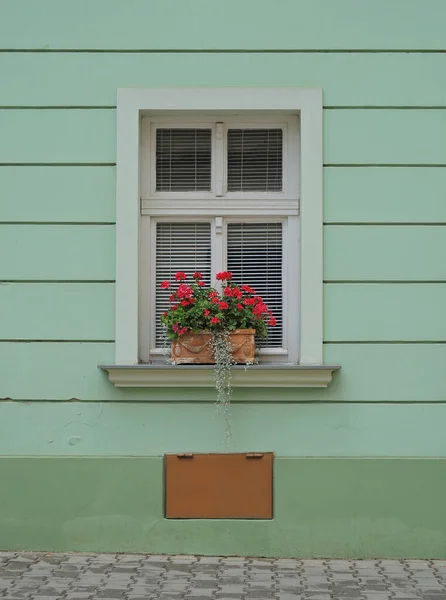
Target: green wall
[
  {"x": 322, "y": 507},
  {"x": 64, "y": 427}
]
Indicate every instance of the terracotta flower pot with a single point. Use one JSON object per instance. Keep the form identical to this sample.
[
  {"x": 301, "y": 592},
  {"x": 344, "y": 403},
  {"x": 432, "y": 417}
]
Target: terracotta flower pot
[{"x": 196, "y": 348}]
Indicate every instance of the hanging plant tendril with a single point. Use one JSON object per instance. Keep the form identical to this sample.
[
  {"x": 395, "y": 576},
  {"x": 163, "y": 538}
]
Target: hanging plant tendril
[{"x": 222, "y": 351}]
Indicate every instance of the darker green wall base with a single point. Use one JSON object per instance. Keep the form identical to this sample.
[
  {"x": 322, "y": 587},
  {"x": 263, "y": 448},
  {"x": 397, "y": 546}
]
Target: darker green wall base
[{"x": 360, "y": 508}]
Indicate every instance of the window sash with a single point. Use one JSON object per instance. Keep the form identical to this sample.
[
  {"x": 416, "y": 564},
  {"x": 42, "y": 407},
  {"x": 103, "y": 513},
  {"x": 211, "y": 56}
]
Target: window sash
[
  {"x": 219, "y": 168},
  {"x": 218, "y": 249}
]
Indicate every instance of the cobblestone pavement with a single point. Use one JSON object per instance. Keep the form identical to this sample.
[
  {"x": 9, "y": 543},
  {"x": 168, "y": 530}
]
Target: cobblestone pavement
[{"x": 45, "y": 576}]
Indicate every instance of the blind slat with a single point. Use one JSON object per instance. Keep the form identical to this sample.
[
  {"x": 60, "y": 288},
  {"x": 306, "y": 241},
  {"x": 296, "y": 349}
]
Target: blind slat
[
  {"x": 255, "y": 257},
  {"x": 183, "y": 160},
  {"x": 255, "y": 160},
  {"x": 179, "y": 247}
]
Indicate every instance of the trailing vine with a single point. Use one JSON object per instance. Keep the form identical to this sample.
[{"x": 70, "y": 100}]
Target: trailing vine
[
  {"x": 196, "y": 307},
  {"x": 222, "y": 351}
]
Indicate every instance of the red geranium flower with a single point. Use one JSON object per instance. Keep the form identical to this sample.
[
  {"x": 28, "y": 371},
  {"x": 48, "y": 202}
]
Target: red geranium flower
[
  {"x": 206, "y": 312},
  {"x": 272, "y": 321},
  {"x": 248, "y": 289},
  {"x": 197, "y": 275},
  {"x": 240, "y": 306},
  {"x": 223, "y": 306},
  {"x": 165, "y": 285},
  {"x": 224, "y": 275},
  {"x": 201, "y": 283},
  {"x": 184, "y": 291},
  {"x": 180, "y": 276},
  {"x": 215, "y": 320}
]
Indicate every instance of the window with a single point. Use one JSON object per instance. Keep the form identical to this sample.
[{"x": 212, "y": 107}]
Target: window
[
  {"x": 220, "y": 178},
  {"x": 221, "y": 193}
]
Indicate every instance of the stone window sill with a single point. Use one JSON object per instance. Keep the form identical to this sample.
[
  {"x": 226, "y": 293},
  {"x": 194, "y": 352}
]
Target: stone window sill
[{"x": 273, "y": 375}]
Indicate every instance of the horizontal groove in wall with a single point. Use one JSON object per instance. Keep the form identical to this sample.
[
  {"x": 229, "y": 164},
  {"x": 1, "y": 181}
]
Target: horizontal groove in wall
[
  {"x": 24, "y": 164},
  {"x": 53, "y": 341},
  {"x": 227, "y": 50},
  {"x": 58, "y": 223},
  {"x": 407, "y": 342},
  {"x": 55, "y": 107},
  {"x": 6, "y": 281},
  {"x": 113, "y": 107},
  {"x": 381, "y": 107},
  {"x": 250, "y": 402},
  {"x": 381, "y": 281},
  {"x": 384, "y": 224},
  {"x": 326, "y": 223},
  {"x": 331, "y": 165},
  {"x": 386, "y": 165}
]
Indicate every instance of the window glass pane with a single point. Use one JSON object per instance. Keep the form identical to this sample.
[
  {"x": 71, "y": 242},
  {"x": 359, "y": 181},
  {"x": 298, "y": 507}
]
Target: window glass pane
[
  {"x": 255, "y": 257},
  {"x": 179, "y": 247},
  {"x": 255, "y": 160},
  {"x": 183, "y": 160}
]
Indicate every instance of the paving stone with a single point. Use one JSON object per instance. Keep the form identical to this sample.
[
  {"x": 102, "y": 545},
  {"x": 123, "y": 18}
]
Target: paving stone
[
  {"x": 257, "y": 594},
  {"x": 199, "y": 593},
  {"x": 47, "y": 591},
  {"x": 34, "y": 597},
  {"x": 209, "y": 560},
  {"x": 46, "y": 576},
  {"x": 263, "y": 585},
  {"x": 203, "y": 584},
  {"x": 19, "y": 594}
]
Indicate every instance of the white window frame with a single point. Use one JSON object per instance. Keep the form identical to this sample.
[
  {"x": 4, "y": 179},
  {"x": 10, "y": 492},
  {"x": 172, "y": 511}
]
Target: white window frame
[
  {"x": 220, "y": 207},
  {"x": 169, "y": 103}
]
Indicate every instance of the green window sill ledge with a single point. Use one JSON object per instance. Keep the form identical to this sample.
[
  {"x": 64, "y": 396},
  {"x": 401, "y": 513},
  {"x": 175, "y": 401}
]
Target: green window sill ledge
[{"x": 263, "y": 375}]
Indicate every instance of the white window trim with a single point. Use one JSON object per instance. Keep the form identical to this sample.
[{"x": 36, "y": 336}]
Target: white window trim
[
  {"x": 221, "y": 206},
  {"x": 132, "y": 103}
]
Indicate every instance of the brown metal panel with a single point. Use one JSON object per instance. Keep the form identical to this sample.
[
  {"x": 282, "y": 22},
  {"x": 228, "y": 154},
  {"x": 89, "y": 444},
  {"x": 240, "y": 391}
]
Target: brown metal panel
[{"x": 219, "y": 486}]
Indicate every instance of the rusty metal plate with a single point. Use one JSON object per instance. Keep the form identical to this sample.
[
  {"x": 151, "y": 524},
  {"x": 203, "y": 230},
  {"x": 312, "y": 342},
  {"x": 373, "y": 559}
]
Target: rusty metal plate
[{"x": 219, "y": 486}]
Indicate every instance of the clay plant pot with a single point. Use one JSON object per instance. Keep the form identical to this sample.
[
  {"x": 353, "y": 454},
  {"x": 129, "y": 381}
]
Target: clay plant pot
[{"x": 196, "y": 348}]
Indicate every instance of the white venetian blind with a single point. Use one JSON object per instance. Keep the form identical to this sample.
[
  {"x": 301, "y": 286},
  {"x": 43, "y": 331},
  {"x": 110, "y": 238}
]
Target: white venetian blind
[
  {"x": 255, "y": 252},
  {"x": 255, "y": 160},
  {"x": 179, "y": 247},
  {"x": 183, "y": 160}
]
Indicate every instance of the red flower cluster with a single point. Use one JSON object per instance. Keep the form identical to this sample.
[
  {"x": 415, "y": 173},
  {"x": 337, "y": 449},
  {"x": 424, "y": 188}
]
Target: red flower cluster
[
  {"x": 224, "y": 276},
  {"x": 248, "y": 290},
  {"x": 179, "y": 330},
  {"x": 233, "y": 292},
  {"x": 196, "y": 307}
]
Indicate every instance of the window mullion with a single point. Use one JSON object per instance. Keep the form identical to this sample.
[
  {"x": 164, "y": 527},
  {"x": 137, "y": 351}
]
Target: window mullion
[
  {"x": 218, "y": 246},
  {"x": 219, "y": 160}
]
